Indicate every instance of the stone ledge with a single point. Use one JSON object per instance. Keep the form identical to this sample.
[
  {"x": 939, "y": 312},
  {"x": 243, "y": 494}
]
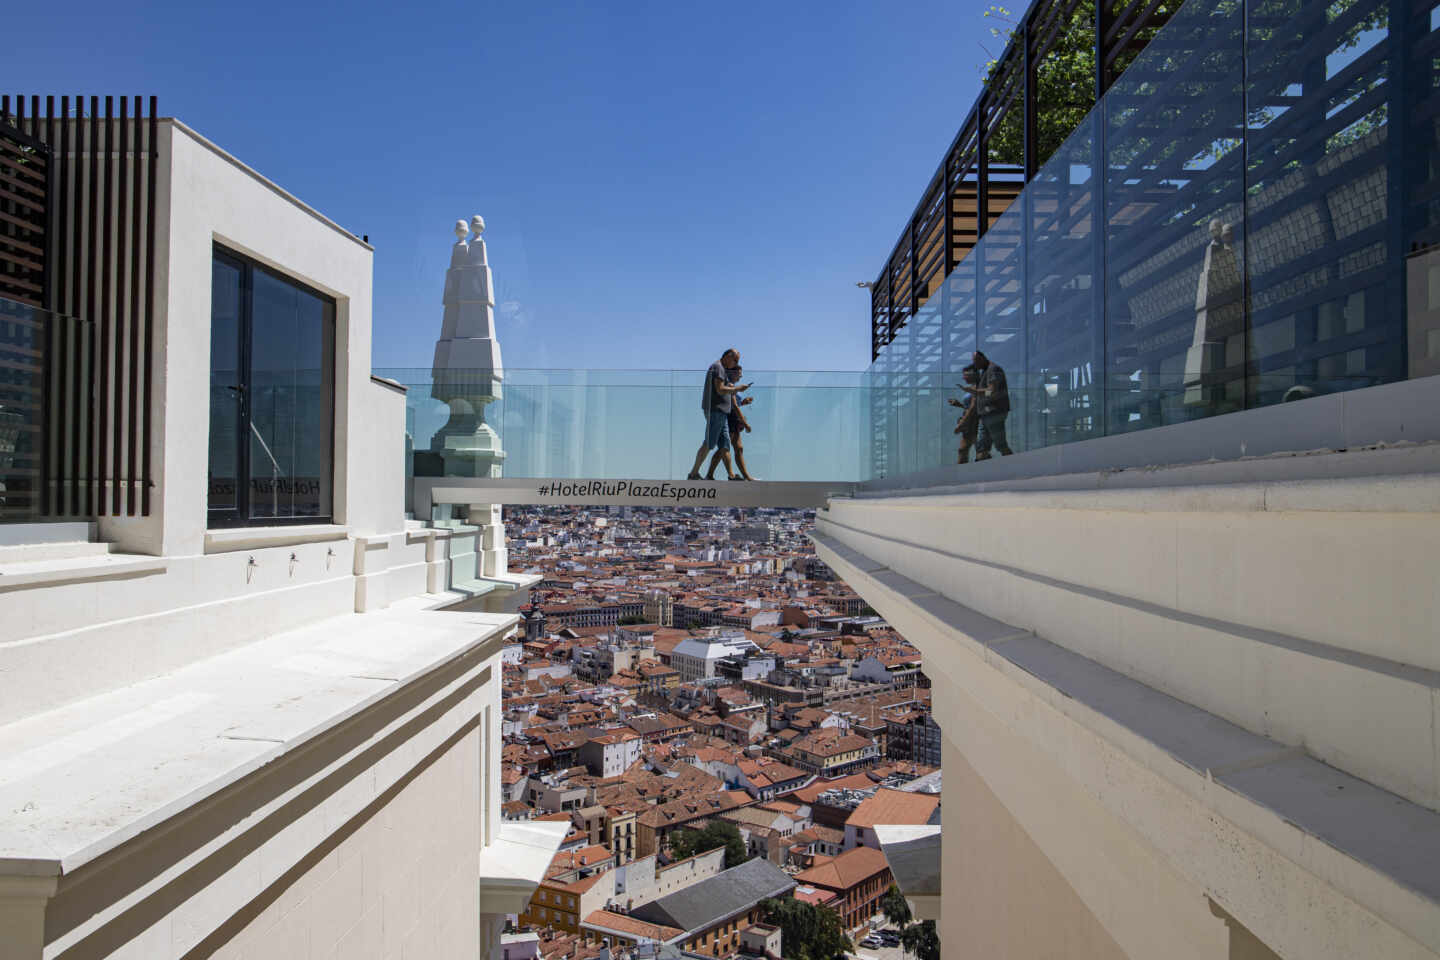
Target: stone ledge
[
  {"x": 510, "y": 582},
  {"x": 1037, "y": 471},
  {"x": 81, "y": 569},
  {"x": 229, "y": 539},
  {"x": 1187, "y": 491},
  {"x": 514, "y": 864},
  {"x": 84, "y": 778}
]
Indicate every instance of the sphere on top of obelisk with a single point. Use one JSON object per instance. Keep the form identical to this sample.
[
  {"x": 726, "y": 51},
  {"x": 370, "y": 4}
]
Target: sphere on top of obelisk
[
  {"x": 460, "y": 252},
  {"x": 477, "y": 242}
]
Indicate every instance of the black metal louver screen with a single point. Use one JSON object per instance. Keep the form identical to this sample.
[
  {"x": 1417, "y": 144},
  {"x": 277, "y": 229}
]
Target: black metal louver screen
[
  {"x": 95, "y": 274},
  {"x": 25, "y": 164}
]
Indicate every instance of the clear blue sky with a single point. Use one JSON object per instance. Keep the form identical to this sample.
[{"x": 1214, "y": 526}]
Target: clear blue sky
[{"x": 660, "y": 180}]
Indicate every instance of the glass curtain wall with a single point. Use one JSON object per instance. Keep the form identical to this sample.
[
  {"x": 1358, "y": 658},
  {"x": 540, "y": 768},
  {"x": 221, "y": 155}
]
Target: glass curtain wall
[
  {"x": 1174, "y": 231},
  {"x": 1066, "y": 347},
  {"x": 1250, "y": 216}
]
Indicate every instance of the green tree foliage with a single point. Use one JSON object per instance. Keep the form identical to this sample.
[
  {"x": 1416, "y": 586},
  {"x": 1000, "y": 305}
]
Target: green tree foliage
[
  {"x": 1064, "y": 79},
  {"x": 717, "y": 833},
  {"x": 807, "y": 932},
  {"x": 893, "y": 905},
  {"x": 629, "y": 621},
  {"x": 1064, "y": 87},
  {"x": 921, "y": 940}
]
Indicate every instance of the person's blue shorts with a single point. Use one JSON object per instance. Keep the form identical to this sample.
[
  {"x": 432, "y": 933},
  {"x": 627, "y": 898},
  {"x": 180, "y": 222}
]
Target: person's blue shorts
[{"x": 717, "y": 430}]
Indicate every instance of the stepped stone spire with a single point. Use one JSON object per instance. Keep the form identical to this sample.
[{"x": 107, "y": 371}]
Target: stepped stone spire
[
  {"x": 468, "y": 373},
  {"x": 468, "y": 377}
]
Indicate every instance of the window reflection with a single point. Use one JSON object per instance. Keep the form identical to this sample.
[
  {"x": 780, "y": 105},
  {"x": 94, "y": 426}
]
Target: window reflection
[
  {"x": 1249, "y": 217},
  {"x": 272, "y": 397}
]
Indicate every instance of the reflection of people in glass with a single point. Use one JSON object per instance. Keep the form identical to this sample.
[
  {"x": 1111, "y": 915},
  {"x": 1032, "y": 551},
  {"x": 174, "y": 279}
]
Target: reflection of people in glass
[
  {"x": 992, "y": 399},
  {"x": 715, "y": 400},
  {"x": 969, "y": 422},
  {"x": 738, "y": 425},
  {"x": 1218, "y": 316}
]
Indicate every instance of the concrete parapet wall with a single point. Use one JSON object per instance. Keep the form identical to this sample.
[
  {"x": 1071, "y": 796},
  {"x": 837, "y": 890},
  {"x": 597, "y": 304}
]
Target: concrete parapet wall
[
  {"x": 1133, "y": 819},
  {"x": 62, "y": 642},
  {"x": 359, "y": 841},
  {"x": 1262, "y": 604}
]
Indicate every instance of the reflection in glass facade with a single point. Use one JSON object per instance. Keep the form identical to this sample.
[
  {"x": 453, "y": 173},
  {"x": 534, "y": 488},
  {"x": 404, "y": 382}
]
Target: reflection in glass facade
[
  {"x": 22, "y": 408},
  {"x": 1246, "y": 218},
  {"x": 272, "y": 397},
  {"x": 1066, "y": 354}
]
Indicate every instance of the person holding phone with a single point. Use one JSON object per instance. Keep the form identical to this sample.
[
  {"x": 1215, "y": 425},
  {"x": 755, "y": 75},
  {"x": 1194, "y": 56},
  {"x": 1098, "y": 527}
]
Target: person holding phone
[
  {"x": 738, "y": 426},
  {"x": 716, "y": 398}
]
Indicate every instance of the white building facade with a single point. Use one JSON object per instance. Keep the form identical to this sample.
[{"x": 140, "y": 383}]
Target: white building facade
[
  {"x": 243, "y": 723},
  {"x": 695, "y": 657}
]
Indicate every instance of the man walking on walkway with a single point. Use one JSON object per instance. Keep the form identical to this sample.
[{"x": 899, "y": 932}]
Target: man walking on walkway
[
  {"x": 992, "y": 395},
  {"x": 716, "y": 399}
]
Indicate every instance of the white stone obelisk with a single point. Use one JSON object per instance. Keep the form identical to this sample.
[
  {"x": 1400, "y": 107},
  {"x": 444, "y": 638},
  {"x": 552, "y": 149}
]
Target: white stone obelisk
[
  {"x": 468, "y": 375},
  {"x": 1219, "y": 316}
]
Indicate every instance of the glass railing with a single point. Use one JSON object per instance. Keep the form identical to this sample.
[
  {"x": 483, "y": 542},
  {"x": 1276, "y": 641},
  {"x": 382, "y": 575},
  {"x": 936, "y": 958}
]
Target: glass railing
[
  {"x": 917, "y": 428},
  {"x": 1247, "y": 218},
  {"x": 833, "y": 427},
  {"x": 617, "y": 424}
]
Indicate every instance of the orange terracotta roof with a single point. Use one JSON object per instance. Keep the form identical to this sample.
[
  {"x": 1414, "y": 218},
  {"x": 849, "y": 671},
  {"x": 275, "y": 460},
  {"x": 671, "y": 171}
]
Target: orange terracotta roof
[
  {"x": 894, "y": 806},
  {"x": 584, "y": 857},
  {"x": 845, "y": 871},
  {"x": 630, "y": 927}
]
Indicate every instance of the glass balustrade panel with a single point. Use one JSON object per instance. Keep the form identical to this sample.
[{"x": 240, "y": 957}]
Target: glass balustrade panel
[
  {"x": 1064, "y": 262},
  {"x": 1174, "y": 199},
  {"x": 630, "y": 424}
]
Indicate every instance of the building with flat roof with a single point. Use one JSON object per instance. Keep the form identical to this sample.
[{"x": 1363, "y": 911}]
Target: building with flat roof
[{"x": 712, "y": 913}]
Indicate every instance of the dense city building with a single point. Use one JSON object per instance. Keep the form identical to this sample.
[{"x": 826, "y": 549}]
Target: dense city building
[{"x": 640, "y": 736}]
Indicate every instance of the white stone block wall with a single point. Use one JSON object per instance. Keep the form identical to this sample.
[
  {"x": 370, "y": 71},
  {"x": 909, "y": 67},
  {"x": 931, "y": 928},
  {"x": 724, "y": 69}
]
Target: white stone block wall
[
  {"x": 401, "y": 883},
  {"x": 1089, "y": 805}
]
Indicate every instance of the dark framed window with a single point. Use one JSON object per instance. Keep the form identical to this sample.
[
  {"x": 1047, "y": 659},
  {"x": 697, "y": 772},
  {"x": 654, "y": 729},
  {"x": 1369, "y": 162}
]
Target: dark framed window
[{"x": 272, "y": 397}]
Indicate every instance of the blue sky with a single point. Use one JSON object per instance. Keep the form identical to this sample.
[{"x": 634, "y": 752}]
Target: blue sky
[{"x": 660, "y": 180}]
